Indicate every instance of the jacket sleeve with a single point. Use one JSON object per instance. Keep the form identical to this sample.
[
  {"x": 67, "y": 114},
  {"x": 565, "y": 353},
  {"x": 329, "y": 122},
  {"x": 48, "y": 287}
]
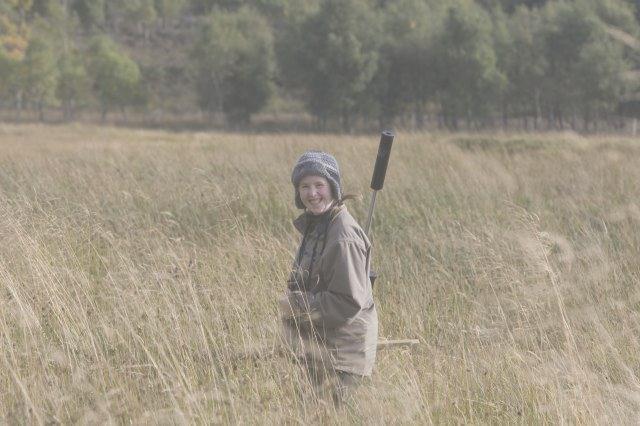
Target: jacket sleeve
[{"x": 347, "y": 285}]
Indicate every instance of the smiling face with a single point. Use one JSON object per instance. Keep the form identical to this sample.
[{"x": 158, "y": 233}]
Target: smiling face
[{"x": 315, "y": 193}]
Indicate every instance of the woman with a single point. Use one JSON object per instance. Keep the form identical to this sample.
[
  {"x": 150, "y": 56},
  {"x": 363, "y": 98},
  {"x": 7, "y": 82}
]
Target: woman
[{"x": 329, "y": 316}]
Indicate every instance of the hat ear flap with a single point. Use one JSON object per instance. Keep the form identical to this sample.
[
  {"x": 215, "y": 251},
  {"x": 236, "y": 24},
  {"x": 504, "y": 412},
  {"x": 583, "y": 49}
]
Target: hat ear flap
[{"x": 334, "y": 191}]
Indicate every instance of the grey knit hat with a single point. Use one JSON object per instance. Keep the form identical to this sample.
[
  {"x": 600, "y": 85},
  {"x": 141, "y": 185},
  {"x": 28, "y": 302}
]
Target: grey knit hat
[{"x": 316, "y": 163}]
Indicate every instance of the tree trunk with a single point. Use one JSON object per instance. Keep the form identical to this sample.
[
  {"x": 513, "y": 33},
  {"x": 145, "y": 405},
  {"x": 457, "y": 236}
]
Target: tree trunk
[
  {"x": 346, "y": 121},
  {"x": 538, "y": 110},
  {"x": 66, "y": 110},
  {"x": 505, "y": 116},
  {"x": 418, "y": 114},
  {"x": 587, "y": 121},
  {"x": 454, "y": 122},
  {"x": 40, "y": 111},
  {"x": 18, "y": 103}
]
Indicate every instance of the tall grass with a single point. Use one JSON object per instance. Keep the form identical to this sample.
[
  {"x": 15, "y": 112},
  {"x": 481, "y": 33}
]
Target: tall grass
[{"x": 137, "y": 270}]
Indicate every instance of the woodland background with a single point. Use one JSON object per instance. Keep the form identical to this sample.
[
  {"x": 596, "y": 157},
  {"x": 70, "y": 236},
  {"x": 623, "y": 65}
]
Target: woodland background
[{"x": 322, "y": 64}]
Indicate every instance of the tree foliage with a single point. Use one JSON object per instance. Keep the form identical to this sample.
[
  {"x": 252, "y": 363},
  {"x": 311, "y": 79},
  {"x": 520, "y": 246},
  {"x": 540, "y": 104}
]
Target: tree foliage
[
  {"x": 234, "y": 64},
  {"x": 337, "y": 58},
  {"x": 465, "y": 62},
  {"x": 469, "y": 77},
  {"x": 9, "y": 79},
  {"x": 524, "y": 64},
  {"x": 40, "y": 74},
  {"x": 584, "y": 68},
  {"x": 114, "y": 75},
  {"x": 73, "y": 87},
  {"x": 406, "y": 76},
  {"x": 91, "y": 13}
]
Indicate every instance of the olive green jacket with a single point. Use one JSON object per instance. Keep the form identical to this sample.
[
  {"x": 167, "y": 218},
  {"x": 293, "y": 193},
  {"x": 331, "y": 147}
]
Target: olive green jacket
[{"x": 337, "y": 323}]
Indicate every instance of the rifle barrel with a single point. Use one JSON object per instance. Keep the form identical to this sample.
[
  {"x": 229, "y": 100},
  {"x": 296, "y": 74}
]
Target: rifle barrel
[{"x": 370, "y": 216}]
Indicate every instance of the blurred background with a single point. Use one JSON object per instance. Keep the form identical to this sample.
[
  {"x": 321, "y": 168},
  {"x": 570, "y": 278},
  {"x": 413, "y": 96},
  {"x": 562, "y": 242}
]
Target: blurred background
[{"x": 323, "y": 65}]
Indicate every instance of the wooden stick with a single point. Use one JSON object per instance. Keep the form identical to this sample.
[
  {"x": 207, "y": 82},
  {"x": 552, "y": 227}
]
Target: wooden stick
[{"x": 276, "y": 351}]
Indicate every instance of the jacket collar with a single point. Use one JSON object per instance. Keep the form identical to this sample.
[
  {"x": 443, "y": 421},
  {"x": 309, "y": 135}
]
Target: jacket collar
[{"x": 301, "y": 221}]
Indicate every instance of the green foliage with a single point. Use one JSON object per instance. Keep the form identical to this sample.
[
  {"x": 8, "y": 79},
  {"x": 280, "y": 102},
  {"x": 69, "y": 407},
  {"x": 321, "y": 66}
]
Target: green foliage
[
  {"x": 13, "y": 34},
  {"x": 169, "y": 9},
  {"x": 235, "y": 63},
  {"x": 22, "y": 7},
  {"x": 601, "y": 84},
  {"x": 465, "y": 61},
  {"x": 114, "y": 75},
  {"x": 584, "y": 67},
  {"x": 337, "y": 58},
  {"x": 39, "y": 74},
  {"x": 614, "y": 12},
  {"x": 266, "y": 6},
  {"x": 58, "y": 25},
  {"x": 208, "y": 6},
  {"x": 567, "y": 28},
  {"x": 468, "y": 76},
  {"x": 13, "y": 44},
  {"x": 523, "y": 62},
  {"x": 9, "y": 76},
  {"x": 90, "y": 12},
  {"x": 406, "y": 74},
  {"x": 138, "y": 12},
  {"x": 73, "y": 85},
  {"x": 511, "y": 5},
  {"x": 634, "y": 5}
]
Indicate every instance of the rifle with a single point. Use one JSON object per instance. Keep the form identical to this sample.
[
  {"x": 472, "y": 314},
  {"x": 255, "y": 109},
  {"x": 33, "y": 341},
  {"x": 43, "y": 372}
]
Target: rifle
[{"x": 377, "y": 181}]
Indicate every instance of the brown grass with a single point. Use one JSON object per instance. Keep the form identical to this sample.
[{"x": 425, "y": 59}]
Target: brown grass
[{"x": 136, "y": 268}]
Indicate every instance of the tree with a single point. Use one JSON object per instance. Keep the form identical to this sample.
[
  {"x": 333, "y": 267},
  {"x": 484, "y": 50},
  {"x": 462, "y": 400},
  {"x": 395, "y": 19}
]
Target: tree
[
  {"x": 10, "y": 88},
  {"x": 406, "y": 74},
  {"x": 501, "y": 41},
  {"x": 234, "y": 64},
  {"x": 90, "y": 12},
  {"x": 600, "y": 80},
  {"x": 617, "y": 13},
  {"x": 73, "y": 85},
  {"x": 13, "y": 32},
  {"x": 114, "y": 75},
  {"x": 510, "y": 6},
  {"x": 13, "y": 45},
  {"x": 40, "y": 74},
  {"x": 139, "y": 13},
  {"x": 569, "y": 27},
  {"x": 21, "y": 8},
  {"x": 469, "y": 78},
  {"x": 337, "y": 59},
  {"x": 523, "y": 62},
  {"x": 169, "y": 9},
  {"x": 208, "y": 6}
]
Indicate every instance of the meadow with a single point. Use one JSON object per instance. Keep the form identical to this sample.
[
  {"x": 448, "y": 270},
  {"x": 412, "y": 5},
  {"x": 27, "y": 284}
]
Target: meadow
[{"x": 139, "y": 274}]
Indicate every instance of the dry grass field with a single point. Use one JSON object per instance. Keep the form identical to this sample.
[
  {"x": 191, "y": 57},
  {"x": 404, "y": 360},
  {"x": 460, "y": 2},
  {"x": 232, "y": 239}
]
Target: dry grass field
[{"x": 139, "y": 268}]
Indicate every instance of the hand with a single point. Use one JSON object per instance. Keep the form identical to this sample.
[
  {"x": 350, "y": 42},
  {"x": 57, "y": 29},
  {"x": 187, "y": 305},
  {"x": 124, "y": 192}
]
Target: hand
[
  {"x": 286, "y": 310},
  {"x": 291, "y": 304},
  {"x": 297, "y": 304}
]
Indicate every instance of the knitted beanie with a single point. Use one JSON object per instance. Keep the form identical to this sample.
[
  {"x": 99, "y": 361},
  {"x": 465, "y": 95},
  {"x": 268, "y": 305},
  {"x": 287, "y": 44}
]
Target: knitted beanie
[{"x": 316, "y": 163}]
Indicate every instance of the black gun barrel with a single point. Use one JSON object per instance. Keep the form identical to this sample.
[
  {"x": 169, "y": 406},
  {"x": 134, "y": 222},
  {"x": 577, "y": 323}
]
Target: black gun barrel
[{"x": 382, "y": 160}]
